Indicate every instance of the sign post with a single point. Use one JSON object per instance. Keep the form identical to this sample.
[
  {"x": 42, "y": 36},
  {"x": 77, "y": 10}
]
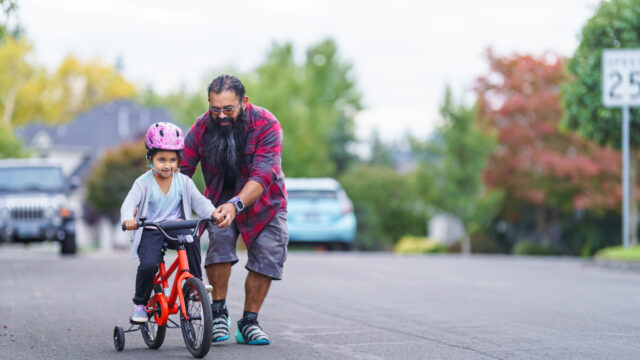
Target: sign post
[{"x": 621, "y": 88}]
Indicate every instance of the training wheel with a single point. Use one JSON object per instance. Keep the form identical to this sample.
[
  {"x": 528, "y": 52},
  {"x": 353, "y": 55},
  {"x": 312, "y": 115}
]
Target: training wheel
[{"x": 118, "y": 338}]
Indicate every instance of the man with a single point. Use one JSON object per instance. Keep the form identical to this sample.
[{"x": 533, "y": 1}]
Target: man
[{"x": 239, "y": 147}]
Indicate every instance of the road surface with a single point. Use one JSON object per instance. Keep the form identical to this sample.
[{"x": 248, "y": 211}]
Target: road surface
[{"x": 339, "y": 306}]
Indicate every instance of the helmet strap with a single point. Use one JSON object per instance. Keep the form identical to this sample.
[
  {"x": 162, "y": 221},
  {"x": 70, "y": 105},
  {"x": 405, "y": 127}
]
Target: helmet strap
[{"x": 151, "y": 166}]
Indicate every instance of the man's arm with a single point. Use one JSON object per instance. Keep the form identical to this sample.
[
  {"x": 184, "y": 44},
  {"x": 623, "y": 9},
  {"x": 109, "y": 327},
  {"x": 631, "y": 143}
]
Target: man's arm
[
  {"x": 266, "y": 163},
  {"x": 249, "y": 194},
  {"x": 267, "y": 160},
  {"x": 190, "y": 155}
]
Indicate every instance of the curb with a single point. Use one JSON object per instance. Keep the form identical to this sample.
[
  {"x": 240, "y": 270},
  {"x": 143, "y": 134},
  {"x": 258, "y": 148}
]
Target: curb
[{"x": 615, "y": 264}]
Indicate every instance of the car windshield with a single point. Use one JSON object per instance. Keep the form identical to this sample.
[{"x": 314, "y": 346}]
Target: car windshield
[
  {"x": 22, "y": 179},
  {"x": 312, "y": 194}
]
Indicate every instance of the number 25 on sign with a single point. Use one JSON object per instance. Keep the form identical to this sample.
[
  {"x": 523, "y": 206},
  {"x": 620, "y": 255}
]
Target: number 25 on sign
[{"x": 621, "y": 78}]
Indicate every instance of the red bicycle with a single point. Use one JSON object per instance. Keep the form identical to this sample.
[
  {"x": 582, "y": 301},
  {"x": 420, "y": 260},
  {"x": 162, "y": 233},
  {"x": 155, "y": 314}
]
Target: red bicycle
[{"x": 188, "y": 297}]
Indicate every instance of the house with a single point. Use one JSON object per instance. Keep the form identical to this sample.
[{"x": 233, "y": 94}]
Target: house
[{"x": 80, "y": 142}]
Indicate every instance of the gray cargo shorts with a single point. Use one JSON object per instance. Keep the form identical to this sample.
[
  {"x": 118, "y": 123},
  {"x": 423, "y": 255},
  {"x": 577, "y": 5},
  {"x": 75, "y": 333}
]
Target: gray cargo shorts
[{"x": 267, "y": 252}]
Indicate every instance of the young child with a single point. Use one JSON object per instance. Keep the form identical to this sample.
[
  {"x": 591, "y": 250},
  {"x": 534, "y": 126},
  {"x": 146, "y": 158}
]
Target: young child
[{"x": 161, "y": 194}]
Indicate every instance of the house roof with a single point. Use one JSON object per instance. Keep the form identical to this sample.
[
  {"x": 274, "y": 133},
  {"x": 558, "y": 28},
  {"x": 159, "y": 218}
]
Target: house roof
[
  {"x": 99, "y": 128},
  {"x": 94, "y": 131}
]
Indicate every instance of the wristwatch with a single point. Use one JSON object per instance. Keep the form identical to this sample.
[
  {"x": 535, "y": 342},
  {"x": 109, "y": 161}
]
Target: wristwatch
[{"x": 237, "y": 203}]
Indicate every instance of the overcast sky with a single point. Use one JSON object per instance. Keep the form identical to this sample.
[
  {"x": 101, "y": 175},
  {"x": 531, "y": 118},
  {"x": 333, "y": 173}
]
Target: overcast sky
[{"x": 404, "y": 52}]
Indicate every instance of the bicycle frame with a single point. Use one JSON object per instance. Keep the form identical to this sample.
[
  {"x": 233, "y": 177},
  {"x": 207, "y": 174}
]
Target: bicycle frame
[{"x": 170, "y": 305}]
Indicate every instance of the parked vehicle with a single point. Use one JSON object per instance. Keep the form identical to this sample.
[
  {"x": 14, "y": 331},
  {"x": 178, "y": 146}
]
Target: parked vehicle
[
  {"x": 320, "y": 212},
  {"x": 34, "y": 204}
]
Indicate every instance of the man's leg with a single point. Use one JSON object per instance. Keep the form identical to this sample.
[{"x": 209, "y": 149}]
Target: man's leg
[
  {"x": 221, "y": 255},
  {"x": 218, "y": 275},
  {"x": 267, "y": 255},
  {"x": 255, "y": 287}
]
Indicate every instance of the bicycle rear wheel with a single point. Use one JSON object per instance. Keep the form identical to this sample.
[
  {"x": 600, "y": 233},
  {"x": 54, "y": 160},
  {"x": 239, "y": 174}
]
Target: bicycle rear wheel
[
  {"x": 152, "y": 333},
  {"x": 197, "y": 329}
]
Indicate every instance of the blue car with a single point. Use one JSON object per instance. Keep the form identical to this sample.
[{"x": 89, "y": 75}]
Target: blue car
[{"x": 320, "y": 213}]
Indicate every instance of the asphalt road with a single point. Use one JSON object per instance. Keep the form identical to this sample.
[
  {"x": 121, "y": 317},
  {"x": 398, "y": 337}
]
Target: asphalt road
[{"x": 340, "y": 306}]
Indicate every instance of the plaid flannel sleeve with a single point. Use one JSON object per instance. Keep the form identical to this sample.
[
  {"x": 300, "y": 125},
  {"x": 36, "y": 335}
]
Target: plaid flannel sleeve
[
  {"x": 190, "y": 156},
  {"x": 268, "y": 156}
]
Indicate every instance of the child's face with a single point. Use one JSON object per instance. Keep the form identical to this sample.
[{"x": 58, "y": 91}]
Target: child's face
[{"x": 165, "y": 163}]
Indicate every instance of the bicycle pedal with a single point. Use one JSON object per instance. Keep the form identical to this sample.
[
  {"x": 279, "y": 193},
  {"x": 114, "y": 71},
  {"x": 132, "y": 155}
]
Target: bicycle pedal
[{"x": 209, "y": 288}]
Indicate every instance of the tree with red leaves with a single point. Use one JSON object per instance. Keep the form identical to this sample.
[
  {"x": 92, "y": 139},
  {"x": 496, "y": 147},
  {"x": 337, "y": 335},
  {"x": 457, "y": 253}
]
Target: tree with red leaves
[{"x": 536, "y": 163}]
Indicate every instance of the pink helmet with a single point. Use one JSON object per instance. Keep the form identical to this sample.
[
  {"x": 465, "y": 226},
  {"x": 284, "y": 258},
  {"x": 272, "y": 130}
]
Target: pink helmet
[{"x": 164, "y": 136}]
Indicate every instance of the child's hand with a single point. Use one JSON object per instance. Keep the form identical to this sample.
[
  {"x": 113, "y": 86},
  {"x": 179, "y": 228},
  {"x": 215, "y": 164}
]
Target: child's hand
[
  {"x": 131, "y": 224},
  {"x": 217, "y": 217}
]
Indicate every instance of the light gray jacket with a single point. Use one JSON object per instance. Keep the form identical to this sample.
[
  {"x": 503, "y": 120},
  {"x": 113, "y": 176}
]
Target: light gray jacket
[{"x": 138, "y": 197}]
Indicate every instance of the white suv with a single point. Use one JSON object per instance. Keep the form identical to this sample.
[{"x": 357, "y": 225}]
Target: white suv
[{"x": 34, "y": 204}]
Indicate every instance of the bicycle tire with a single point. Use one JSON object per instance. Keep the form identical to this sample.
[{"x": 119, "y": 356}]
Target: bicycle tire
[
  {"x": 153, "y": 334},
  {"x": 198, "y": 329},
  {"x": 118, "y": 338}
]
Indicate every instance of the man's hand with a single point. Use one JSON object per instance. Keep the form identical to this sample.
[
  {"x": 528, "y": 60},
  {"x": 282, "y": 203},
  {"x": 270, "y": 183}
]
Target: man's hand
[
  {"x": 131, "y": 224},
  {"x": 226, "y": 214}
]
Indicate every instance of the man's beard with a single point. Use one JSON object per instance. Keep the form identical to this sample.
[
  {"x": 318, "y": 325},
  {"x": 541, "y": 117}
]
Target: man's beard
[{"x": 224, "y": 144}]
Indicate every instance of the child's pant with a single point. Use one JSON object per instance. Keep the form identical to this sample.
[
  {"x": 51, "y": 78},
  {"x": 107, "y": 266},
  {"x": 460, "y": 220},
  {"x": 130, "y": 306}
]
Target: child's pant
[{"x": 150, "y": 254}]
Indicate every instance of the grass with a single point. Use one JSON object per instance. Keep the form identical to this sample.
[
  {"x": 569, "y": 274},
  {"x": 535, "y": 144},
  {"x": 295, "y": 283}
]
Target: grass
[{"x": 619, "y": 253}]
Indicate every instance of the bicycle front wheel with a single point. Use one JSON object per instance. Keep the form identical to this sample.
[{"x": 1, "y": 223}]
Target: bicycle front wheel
[{"x": 197, "y": 329}]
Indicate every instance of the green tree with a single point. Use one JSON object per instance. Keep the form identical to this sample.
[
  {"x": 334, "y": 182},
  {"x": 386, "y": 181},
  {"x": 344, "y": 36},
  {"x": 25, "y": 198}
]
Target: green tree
[
  {"x": 183, "y": 105},
  {"x": 8, "y": 9},
  {"x": 10, "y": 146},
  {"x": 316, "y": 103},
  {"x": 615, "y": 24},
  {"x": 380, "y": 152},
  {"x": 333, "y": 99},
  {"x": 461, "y": 152}
]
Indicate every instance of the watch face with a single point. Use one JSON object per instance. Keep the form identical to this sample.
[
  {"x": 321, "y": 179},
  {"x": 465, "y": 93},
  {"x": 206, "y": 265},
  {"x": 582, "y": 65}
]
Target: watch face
[{"x": 239, "y": 204}]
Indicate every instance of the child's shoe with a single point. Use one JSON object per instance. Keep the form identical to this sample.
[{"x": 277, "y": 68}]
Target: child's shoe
[{"x": 139, "y": 314}]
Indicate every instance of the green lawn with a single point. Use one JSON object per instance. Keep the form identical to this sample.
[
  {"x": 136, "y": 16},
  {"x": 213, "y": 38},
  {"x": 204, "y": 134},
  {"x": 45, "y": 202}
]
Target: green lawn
[{"x": 619, "y": 253}]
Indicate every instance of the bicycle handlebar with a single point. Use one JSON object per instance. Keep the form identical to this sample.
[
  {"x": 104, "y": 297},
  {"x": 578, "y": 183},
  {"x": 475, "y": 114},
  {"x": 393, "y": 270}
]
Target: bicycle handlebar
[{"x": 172, "y": 225}]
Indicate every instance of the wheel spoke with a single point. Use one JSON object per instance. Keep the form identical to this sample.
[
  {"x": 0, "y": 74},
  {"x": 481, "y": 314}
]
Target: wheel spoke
[
  {"x": 196, "y": 323},
  {"x": 195, "y": 316}
]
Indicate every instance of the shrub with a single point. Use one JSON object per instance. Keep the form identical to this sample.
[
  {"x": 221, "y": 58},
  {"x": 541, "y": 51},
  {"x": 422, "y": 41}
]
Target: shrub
[
  {"x": 619, "y": 253},
  {"x": 409, "y": 244},
  {"x": 387, "y": 206},
  {"x": 527, "y": 248}
]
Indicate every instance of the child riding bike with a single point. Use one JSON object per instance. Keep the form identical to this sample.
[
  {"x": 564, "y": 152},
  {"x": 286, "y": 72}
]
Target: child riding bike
[{"x": 160, "y": 194}]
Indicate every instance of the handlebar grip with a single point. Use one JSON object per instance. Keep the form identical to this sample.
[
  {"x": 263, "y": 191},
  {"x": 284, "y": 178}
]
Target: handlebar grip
[{"x": 140, "y": 224}]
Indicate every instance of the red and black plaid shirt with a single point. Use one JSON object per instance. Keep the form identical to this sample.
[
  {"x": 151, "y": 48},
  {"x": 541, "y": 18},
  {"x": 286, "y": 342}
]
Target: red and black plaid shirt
[{"x": 261, "y": 162}]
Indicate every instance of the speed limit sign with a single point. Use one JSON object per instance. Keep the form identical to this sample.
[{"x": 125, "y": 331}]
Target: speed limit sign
[
  {"x": 621, "y": 77},
  {"x": 621, "y": 88}
]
